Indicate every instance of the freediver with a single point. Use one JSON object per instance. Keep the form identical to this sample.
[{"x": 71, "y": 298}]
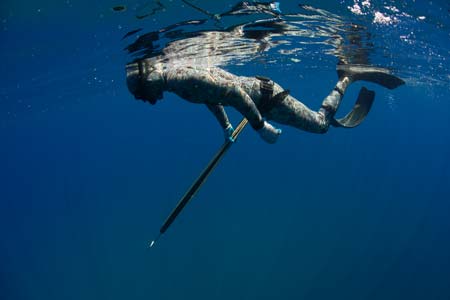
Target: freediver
[{"x": 258, "y": 99}]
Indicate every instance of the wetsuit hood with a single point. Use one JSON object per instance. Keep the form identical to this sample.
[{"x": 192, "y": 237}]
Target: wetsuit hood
[{"x": 145, "y": 81}]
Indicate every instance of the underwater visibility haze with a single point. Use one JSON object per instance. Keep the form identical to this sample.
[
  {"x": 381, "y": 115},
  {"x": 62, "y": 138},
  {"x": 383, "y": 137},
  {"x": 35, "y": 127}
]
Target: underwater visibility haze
[{"x": 88, "y": 174}]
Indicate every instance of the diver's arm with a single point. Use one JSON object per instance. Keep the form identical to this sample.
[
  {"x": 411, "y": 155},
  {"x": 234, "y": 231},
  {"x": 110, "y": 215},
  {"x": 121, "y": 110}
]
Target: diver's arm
[
  {"x": 220, "y": 114},
  {"x": 245, "y": 105}
]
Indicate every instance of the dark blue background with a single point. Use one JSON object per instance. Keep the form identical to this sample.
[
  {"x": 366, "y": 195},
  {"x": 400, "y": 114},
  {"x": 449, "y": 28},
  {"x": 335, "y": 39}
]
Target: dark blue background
[{"x": 87, "y": 175}]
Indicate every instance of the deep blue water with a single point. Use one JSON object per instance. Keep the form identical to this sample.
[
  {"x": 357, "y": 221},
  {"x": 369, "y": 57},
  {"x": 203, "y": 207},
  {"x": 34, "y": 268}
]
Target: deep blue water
[{"x": 88, "y": 174}]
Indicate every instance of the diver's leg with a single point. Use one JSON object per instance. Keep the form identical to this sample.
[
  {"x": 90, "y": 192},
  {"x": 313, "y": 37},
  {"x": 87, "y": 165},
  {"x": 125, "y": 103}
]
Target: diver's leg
[
  {"x": 331, "y": 103},
  {"x": 294, "y": 113}
]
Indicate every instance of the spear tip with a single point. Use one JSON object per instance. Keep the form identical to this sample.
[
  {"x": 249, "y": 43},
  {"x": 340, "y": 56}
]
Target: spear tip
[{"x": 152, "y": 243}]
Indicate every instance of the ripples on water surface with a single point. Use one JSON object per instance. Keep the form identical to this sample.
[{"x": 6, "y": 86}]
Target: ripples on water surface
[{"x": 410, "y": 38}]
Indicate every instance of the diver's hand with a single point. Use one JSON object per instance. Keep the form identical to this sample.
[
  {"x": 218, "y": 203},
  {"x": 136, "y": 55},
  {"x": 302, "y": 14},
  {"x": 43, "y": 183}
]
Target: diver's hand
[
  {"x": 228, "y": 133},
  {"x": 269, "y": 133}
]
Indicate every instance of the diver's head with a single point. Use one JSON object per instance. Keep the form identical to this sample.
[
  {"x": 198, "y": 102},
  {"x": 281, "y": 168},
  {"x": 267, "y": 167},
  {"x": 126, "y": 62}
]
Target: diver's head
[{"x": 145, "y": 81}]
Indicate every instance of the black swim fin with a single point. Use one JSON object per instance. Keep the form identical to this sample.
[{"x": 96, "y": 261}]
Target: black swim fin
[
  {"x": 359, "y": 112},
  {"x": 377, "y": 75}
]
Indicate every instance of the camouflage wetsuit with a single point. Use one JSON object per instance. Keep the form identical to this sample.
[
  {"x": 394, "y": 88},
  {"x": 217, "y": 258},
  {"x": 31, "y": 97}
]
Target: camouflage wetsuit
[{"x": 217, "y": 88}]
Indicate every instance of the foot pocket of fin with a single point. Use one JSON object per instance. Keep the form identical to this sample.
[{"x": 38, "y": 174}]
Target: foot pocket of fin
[{"x": 359, "y": 112}]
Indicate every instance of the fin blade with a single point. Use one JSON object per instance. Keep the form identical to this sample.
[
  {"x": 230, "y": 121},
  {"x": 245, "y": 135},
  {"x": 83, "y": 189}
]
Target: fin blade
[
  {"x": 380, "y": 76},
  {"x": 359, "y": 112}
]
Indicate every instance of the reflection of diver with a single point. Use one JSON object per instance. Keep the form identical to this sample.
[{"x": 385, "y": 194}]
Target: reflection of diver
[{"x": 257, "y": 98}]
